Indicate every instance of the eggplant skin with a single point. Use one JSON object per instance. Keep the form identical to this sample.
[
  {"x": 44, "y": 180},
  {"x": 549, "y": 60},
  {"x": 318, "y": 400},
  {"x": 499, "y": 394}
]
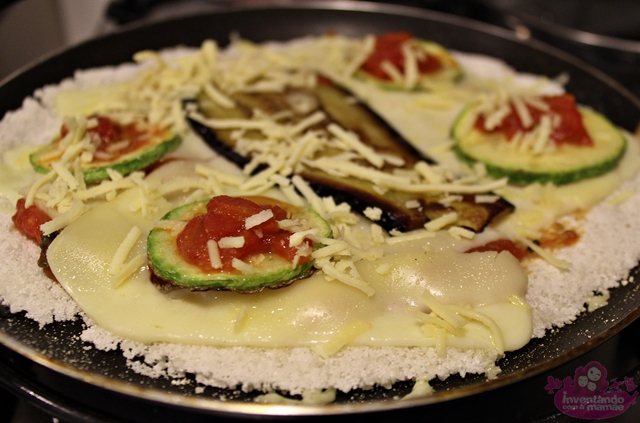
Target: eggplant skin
[
  {"x": 43, "y": 263},
  {"x": 396, "y": 216},
  {"x": 339, "y": 106}
]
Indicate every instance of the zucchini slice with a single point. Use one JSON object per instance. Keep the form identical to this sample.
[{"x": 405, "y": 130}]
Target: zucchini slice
[
  {"x": 271, "y": 271},
  {"x": 450, "y": 71},
  {"x": 96, "y": 171},
  {"x": 564, "y": 165}
]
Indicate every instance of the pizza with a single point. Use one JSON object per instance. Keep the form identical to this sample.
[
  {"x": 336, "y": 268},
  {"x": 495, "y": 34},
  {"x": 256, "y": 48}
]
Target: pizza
[{"x": 325, "y": 214}]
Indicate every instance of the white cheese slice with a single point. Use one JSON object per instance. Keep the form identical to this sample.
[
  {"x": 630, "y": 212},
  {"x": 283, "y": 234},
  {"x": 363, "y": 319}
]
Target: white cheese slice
[{"x": 81, "y": 254}]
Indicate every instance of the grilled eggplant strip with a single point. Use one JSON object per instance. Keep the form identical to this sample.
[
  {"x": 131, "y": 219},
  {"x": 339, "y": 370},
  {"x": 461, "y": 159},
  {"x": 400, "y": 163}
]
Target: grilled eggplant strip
[
  {"x": 340, "y": 107},
  {"x": 215, "y": 141},
  {"x": 359, "y": 195},
  {"x": 344, "y": 109}
]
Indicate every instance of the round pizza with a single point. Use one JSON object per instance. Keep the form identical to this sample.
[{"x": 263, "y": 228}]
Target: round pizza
[{"x": 313, "y": 216}]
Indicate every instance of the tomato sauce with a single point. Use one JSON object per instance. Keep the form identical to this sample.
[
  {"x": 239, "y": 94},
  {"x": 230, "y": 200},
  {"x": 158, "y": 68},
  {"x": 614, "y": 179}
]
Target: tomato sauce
[
  {"x": 558, "y": 237},
  {"x": 502, "y": 245},
  {"x": 388, "y": 47},
  {"x": 225, "y": 217},
  {"x": 108, "y": 133},
  {"x": 28, "y": 220},
  {"x": 570, "y": 131}
]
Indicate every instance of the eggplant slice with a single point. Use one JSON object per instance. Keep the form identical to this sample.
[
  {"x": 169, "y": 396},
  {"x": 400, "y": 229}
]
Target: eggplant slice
[{"x": 341, "y": 107}]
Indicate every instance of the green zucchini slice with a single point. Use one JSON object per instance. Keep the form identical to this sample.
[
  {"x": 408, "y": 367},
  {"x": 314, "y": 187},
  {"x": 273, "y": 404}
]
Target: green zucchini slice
[
  {"x": 272, "y": 271},
  {"x": 450, "y": 72},
  {"x": 566, "y": 164},
  {"x": 96, "y": 171}
]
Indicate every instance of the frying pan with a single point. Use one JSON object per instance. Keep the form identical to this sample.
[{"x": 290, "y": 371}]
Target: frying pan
[
  {"x": 57, "y": 350},
  {"x": 603, "y": 32}
]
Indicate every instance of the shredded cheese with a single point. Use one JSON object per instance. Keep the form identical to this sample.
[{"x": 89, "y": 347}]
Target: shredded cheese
[
  {"x": 36, "y": 186},
  {"x": 458, "y": 233},
  {"x": 331, "y": 270},
  {"x": 496, "y": 334},
  {"x": 489, "y": 199},
  {"x": 65, "y": 175},
  {"x": 432, "y": 319},
  {"x": 428, "y": 173},
  {"x": 523, "y": 112},
  {"x": 399, "y": 238},
  {"x": 453, "y": 187},
  {"x": 341, "y": 337},
  {"x": 130, "y": 240},
  {"x": 218, "y": 97},
  {"x": 297, "y": 238},
  {"x": 173, "y": 226},
  {"x": 392, "y": 72},
  {"x": 547, "y": 256},
  {"x": 373, "y": 213},
  {"x": 367, "y": 46},
  {"x": 340, "y": 247},
  {"x": 354, "y": 142},
  {"x": 244, "y": 268},
  {"x": 446, "y": 312},
  {"x": 214, "y": 254},
  {"x": 411, "y": 72},
  {"x": 412, "y": 204},
  {"x": 439, "y": 335},
  {"x": 231, "y": 242},
  {"x": 442, "y": 221},
  {"x": 308, "y": 193},
  {"x": 258, "y": 218},
  {"x": 59, "y": 222},
  {"x": 128, "y": 270}
]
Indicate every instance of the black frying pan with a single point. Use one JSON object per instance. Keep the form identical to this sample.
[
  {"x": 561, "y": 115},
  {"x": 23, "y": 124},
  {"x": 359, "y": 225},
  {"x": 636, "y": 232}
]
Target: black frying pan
[{"x": 84, "y": 373}]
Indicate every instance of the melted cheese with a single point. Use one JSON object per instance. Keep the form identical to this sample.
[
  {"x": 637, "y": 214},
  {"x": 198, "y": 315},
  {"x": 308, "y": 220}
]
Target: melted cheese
[
  {"x": 315, "y": 312},
  {"x": 539, "y": 206}
]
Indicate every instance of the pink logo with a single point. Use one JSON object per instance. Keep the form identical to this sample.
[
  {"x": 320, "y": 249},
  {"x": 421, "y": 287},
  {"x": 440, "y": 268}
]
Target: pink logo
[{"x": 589, "y": 395}]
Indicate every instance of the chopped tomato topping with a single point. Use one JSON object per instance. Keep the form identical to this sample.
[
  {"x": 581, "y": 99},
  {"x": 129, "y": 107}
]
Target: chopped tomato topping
[
  {"x": 323, "y": 80},
  {"x": 571, "y": 129},
  {"x": 28, "y": 220},
  {"x": 113, "y": 140},
  {"x": 388, "y": 48},
  {"x": 502, "y": 245},
  {"x": 225, "y": 217},
  {"x": 107, "y": 130}
]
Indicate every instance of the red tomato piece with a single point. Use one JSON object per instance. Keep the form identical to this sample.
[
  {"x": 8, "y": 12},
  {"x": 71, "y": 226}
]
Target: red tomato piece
[
  {"x": 501, "y": 245},
  {"x": 388, "y": 47},
  {"x": 106, "y": 130},
  {"x": 28, "y": 220},
  {"x": 225, "y": 217},
  {"x": 190, "y": 244},
  {"x": 570, "y": 131}
]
